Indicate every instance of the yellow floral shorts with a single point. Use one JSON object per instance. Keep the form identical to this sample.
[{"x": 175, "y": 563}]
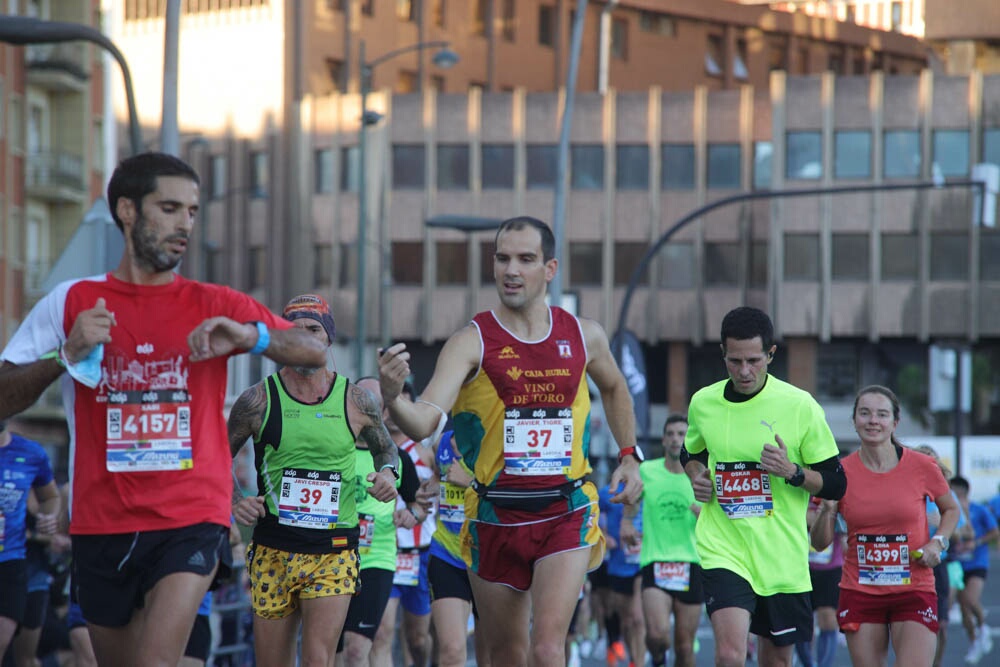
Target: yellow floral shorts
[{"x": 279, "y": 579}]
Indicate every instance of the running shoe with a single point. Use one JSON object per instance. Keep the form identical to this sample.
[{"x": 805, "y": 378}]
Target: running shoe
[
  {"x": 975, "y": 653},
  {"x": 985, "y": 638},
  {"x": 616, "y": 654}
]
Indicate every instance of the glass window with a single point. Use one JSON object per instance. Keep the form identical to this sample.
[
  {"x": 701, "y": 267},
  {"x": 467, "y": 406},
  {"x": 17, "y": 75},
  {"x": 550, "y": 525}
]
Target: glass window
[
  {"x": 407, "y": 263},
  {"x": 897, "y": 15},
  {"x": 437, "y": 13},
  {"x": 852, "y": 154},
  {"x": 349, "y": 264},
  {"x": 486, "y": 251},
  {"x": 803, "y": 155},
  {"x": 989, "y": 250},
  {"x": 722, "y": 264},
  {"x": 713, "y": 56},
  {"x": 322, "y": 265},
  {"x": 324, "y": 170},
  {"x": 740, "y": 60},
  {"x": 678, "y": 265},
  {"x": 498, "y": 166},
  {"x": 508, "y": 21},
  {"x": 801, "y": 256},
  {"x": 406, "y": 82},
  {"x": 991, "y": 146},
  {"x": 585, "y": 263},
  {"x": 541, "y": 167},
  {"x": 452, "y": 263},
  {"x": 949, "y": 256},
  {"x": 951, "y": 152},
  {"x": 899, "y": 256},
  {"x": 723, "y": 166},
  {"x": 762, "y": 151},
  {"x": 256, "y": 267},
  {"x": 546, "y": 25},
  {"x": 404, "y": 10},
  {"x": 902, "y": 153},
  {"x": 619, "y": 38},
  {"x": 628, "y": 254},
  {"x": 850, "y": 256},
  {"x": 758, "y": 264},
  {"x": 632, "y": 167},
  {"x": 479, "y": 19},
  {"x": 368, "y": 7},
  {"x": 836, "y": 370},
  {"x": 453, "y": 166},
  {"x": 258, "y": 174},
  {"x": 408, "y": 166},
  {"x": 350, "y": 168},
  {"x": 587, "y": 172},
  {"x": 677, "y": 166},
  {"x": 219, "y": 173}
]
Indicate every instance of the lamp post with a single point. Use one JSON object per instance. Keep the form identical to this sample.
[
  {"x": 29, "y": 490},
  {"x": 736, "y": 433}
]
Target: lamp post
[
  {"x": 23, "y": 30},
  {"x": 443, "y": 58}
]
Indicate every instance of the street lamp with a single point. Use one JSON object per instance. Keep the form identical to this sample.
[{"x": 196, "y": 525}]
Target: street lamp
[
  {"x": 444, "y": 58},
  {"x": 23, "y": 30}
]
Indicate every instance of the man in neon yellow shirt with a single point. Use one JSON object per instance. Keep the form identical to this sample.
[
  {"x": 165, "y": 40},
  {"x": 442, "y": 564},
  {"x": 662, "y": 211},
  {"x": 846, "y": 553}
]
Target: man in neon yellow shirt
[{"x": 756, "y": 448}]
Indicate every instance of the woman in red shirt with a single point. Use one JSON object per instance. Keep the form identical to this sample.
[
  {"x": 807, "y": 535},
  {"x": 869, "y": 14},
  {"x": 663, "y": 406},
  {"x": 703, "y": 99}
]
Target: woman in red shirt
[{"x": 887, "y": 587}]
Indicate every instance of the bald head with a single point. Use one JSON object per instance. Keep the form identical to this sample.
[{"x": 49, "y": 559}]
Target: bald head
[{"x": 371, "y": 385}]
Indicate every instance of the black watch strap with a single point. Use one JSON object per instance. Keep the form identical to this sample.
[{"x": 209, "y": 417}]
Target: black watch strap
[{"x": 798, "y": 478}]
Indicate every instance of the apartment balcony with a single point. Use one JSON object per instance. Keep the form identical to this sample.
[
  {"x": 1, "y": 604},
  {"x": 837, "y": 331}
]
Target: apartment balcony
[
  {"x": 58, "y": 67},
  {"x": 56, "y": 177}
]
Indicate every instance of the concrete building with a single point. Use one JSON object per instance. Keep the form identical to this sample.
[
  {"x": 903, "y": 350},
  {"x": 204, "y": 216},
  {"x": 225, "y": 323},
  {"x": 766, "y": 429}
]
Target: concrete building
[{"x": 859, "y": 284}]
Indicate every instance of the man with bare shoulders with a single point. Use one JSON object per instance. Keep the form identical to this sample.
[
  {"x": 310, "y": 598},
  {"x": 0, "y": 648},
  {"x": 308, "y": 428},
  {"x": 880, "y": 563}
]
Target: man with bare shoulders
[
  {"x": 141, "y": 352},
  {"x": 514, "y": 380},
  {"x": 303, "y": 559}
]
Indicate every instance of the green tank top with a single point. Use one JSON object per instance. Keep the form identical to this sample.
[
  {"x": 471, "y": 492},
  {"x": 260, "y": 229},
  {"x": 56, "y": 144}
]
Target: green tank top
[
  {"x": 304, "y": 454},
  {"x": 377, "y": 540}
]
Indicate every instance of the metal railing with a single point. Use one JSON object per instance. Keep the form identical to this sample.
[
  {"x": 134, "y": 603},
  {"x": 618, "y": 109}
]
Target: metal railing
[
  {"x": 55, "y": 169},
  {"x": 69, "y": 57}
]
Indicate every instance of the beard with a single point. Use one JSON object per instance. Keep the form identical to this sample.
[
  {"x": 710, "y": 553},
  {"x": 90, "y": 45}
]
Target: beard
[
  {"x": 301, "y": 370},
  {"x": 146, "y": 247}
]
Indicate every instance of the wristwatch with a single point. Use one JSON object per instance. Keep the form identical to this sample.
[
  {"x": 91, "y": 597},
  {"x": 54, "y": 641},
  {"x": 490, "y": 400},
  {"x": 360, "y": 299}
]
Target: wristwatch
[
  {"x": 798, "y": 478},
  {"x": 634, "y": 451},
  {"x": 392, "y": 469},
  {"x": 943, "y": 541}
]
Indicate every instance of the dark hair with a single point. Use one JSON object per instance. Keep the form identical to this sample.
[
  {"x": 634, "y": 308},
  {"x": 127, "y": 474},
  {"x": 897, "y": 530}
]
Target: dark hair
[
  {"x": 135, "y": 177},
  {"x": 744, "y": 323},
  {"x": 523, "y": 221},
  {"x": 673, "y": 419},
  {"x": 884, "y": 391},
  {"x": 960, "y": 482}
]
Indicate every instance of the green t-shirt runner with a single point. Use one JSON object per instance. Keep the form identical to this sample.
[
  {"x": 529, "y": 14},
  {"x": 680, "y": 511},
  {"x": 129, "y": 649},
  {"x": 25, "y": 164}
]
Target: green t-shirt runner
[
  {"x": 377, "y": 540},
  {"x": 668, "y": 524},
  {"x": 754, "y": 524}
]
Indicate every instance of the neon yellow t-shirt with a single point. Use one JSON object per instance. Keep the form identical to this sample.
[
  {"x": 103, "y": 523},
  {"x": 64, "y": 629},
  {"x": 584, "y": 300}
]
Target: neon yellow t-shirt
[{"x": 755, "y": 524}]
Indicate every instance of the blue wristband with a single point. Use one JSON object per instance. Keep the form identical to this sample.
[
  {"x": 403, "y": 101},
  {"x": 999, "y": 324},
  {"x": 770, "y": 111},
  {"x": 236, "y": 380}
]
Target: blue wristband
[{"x": 263, "y": 338}]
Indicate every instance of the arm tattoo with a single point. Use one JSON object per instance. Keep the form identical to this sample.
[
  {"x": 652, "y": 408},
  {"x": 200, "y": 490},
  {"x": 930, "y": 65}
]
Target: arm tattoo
[
  {"x": 246, "y": 416},
  {"x": 374, "y": 433}
]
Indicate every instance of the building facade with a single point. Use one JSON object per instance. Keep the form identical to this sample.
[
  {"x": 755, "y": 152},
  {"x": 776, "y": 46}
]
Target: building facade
[
  {"x": 859, "y": 284},
  {"x": 52, "y": 165}
]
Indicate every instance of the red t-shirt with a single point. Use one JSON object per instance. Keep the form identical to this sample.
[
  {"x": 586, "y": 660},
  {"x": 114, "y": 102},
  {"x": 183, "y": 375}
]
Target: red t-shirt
[
  {"x": 886, "y": 515},
  {"x": 148, "y": 445}
]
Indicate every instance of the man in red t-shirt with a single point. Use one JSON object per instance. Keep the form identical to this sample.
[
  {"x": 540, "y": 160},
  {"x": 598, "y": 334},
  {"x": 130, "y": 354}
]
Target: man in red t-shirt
[{"x": 142, "y": 355}]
